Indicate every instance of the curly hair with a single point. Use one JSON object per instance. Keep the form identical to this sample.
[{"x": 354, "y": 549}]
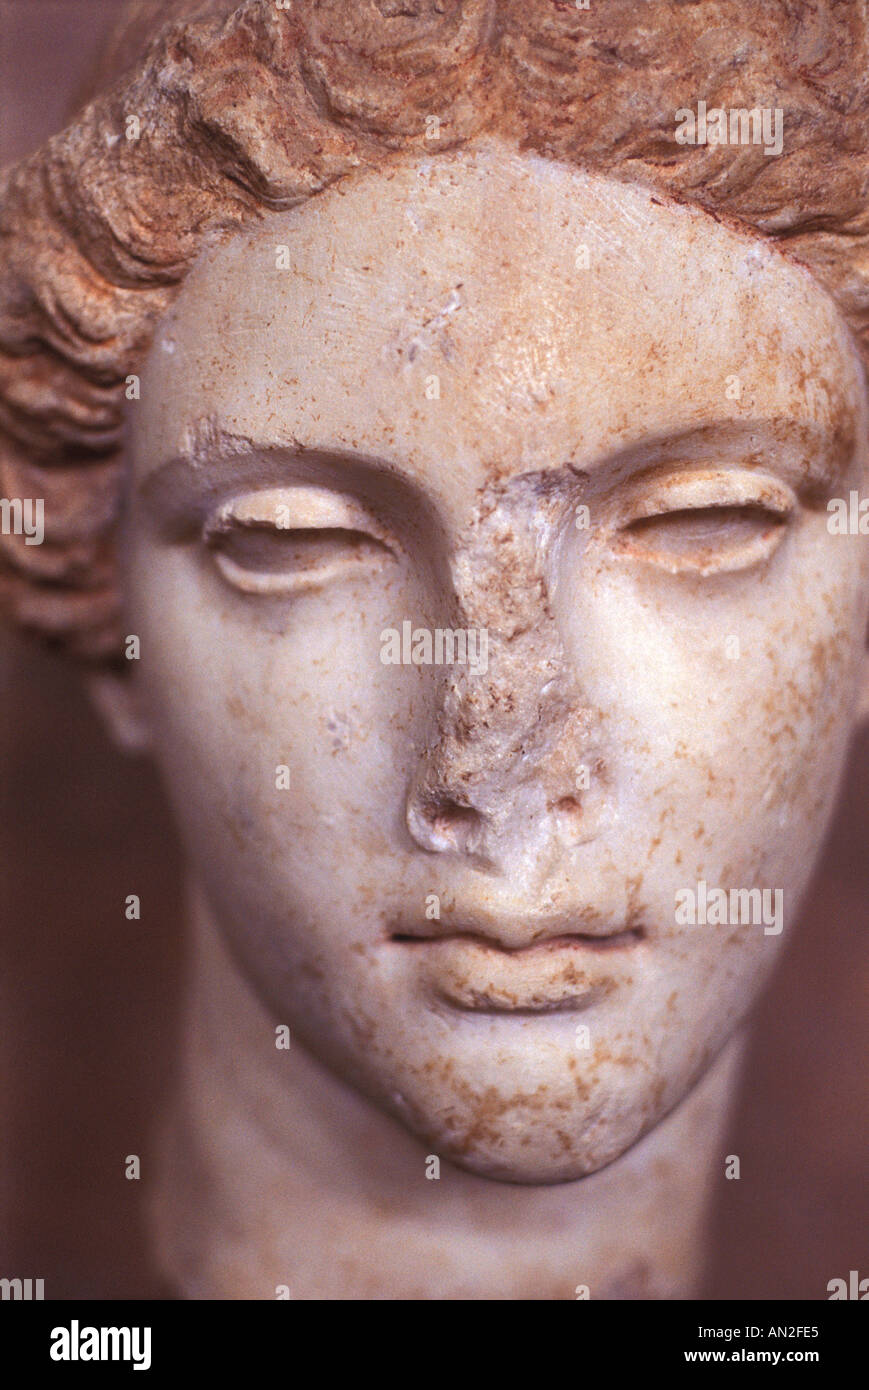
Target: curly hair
[{"x": 244, "y": 107}]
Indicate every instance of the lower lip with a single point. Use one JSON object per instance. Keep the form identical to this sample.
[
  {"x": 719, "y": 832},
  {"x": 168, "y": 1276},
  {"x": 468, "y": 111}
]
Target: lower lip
[{"x": 561, "y": 975}]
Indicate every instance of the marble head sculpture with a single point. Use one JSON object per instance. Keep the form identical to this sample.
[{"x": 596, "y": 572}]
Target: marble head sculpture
[{"x": 439, "y": 409}]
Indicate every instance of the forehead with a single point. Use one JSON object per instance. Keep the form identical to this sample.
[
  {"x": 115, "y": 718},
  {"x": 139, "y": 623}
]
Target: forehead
[{"x": 488, "y": 313}]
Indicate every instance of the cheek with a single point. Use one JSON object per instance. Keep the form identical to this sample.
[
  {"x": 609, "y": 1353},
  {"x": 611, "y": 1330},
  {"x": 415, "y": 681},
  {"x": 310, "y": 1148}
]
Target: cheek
[
  {"x": 276, "y": 723},
  {"x": 726, "y": 706},
  {"x": 718, "y": 673}
]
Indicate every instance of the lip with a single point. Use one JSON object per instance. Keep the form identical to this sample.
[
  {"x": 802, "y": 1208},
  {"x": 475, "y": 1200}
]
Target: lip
[{"x": 556, "y": 972}]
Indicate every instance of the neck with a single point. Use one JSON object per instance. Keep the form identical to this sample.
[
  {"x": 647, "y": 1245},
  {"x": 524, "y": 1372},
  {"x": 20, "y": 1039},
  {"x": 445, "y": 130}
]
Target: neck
[{"x": 279, "y": 1181}]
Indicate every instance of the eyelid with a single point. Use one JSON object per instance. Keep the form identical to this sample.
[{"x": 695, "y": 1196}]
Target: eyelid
[
  {"x": 713, "y": 488},
  {"x": 721, "y": 487},
  {"x": 302, "y": 538},
  {"x": 762, "y": 503},
  {"x": 304, "y": 508}
]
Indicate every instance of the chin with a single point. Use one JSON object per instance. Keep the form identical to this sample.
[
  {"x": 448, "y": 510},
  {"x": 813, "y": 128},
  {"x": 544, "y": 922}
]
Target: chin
[
  {"x": 534, "y": 1159},
  {"x": 534, "y": 1140},
  {"x": 531, "y": 1170}
]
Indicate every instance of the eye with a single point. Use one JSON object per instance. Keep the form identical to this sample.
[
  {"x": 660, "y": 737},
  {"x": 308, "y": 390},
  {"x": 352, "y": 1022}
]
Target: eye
[
  {"x": 704, "y": 539},
  {"x": 708, "y": 534},
  {"x": 294, "y": 540}
]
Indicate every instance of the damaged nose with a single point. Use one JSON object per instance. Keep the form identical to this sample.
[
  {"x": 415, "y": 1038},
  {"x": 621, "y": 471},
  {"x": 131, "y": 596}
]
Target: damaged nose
[
  {"x": 500, "y": 775},
  {"x": 501, "y": 771}
]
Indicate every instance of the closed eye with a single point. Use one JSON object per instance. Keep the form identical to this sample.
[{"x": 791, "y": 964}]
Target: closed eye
[
  {"x": 710, "y": 522},
  {"x": 705, "y": 540},
  {"x": 277, "y": 544}
]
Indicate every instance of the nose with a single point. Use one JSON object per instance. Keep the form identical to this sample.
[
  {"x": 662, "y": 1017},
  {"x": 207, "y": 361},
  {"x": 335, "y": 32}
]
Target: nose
[{"x": 500, "y": 782}]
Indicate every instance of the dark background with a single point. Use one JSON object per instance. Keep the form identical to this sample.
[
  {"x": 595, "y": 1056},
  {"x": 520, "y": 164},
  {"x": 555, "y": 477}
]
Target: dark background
[{"x": 89, "y": 1000}]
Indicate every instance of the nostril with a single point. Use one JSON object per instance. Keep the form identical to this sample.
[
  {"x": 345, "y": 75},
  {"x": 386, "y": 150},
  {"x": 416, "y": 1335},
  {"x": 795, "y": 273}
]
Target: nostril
[
  {"x": 449, "y": 818},
  {"x": 569, "y": 813},
  {"x": 445, "y": 824},
  {"x": 571, "y": 816}
]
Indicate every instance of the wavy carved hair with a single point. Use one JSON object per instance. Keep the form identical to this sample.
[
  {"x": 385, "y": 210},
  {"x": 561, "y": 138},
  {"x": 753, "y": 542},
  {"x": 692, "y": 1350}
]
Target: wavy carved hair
[{"x": 261, "y": 105}]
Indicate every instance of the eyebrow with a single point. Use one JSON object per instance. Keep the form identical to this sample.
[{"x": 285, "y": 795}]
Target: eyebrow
[
  {"x": 214, "y": 460},
  {"x": 214, "y": 457},
  {"x": 809, "y": 454}
]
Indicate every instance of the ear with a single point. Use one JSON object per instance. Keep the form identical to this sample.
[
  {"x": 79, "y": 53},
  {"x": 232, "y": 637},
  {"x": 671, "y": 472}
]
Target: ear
[{"x": 117, "y": 701}]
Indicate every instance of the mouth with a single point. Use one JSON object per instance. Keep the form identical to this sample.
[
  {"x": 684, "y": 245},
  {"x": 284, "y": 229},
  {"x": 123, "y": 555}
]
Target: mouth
[{"x": 477, "y": 972}]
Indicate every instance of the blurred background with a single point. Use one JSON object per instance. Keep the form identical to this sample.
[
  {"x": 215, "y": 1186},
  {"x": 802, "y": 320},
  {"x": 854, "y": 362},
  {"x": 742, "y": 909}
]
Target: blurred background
[{"x": 90, "y": 1001}]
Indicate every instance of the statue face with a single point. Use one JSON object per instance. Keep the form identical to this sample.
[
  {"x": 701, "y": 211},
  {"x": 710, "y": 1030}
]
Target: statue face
[{"x": 466, "y": 887}]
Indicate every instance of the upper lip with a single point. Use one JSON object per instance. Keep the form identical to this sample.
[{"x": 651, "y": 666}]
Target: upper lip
[{"x": 519, "y": 935}]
